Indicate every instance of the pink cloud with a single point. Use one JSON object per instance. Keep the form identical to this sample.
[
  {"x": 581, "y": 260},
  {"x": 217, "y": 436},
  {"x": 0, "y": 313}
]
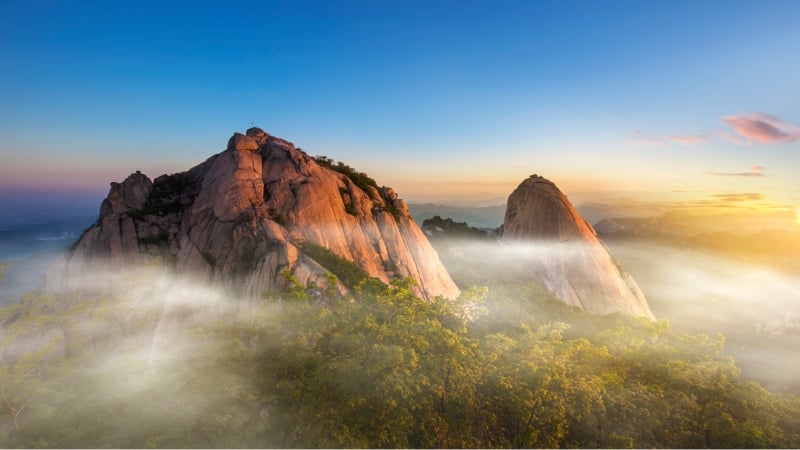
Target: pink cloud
[
  {"x": 689, "y": 139},
  {"x": 762, "y": 128}
]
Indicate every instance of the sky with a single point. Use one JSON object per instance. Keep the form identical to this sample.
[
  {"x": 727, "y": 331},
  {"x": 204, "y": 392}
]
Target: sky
[{"x": 641, "y": 106}]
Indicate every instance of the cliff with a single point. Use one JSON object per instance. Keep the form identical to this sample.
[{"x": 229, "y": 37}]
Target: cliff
[
  {"x": 564, "y": 253},
  {"x": 243, "y": 217}
]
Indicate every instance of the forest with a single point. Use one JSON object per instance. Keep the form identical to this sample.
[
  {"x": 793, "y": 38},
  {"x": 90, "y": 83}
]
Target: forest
[{"x": 165, "y": 363}]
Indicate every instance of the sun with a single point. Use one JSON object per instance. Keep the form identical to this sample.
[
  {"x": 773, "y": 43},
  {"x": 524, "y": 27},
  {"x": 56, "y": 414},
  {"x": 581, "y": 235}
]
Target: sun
[{"x": 797, "y": 213}]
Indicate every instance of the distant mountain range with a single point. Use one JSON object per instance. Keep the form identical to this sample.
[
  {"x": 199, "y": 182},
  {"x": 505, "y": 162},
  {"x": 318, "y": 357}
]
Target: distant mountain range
[{"x": 778, "y": 248}]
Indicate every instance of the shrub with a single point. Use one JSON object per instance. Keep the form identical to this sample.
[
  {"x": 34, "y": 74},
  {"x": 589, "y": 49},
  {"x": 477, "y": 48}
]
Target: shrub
[{"x": 348, "y": 272}]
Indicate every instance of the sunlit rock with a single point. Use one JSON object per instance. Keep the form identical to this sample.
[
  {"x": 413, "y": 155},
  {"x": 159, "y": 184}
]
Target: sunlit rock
[
  {"x": 241, "y": 219},
  {"x": 242, "y": 142},
  {"x": 564, "y": 253}
]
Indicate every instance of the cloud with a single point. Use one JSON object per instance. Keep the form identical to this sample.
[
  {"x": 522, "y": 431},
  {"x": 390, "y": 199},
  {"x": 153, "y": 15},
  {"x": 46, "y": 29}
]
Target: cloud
[
  {"x": 689, "y": 139},
  {"x": 755, "y": 171},
  {"x": 743, "y": 197},
  {"x": 644, "y": 137},
  {"x": 752, "y": 128},
  {"x": 762, "y": 128}
]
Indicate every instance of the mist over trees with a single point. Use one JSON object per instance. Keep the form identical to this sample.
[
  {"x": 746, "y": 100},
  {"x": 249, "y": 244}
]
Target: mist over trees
[{"x": 172, "y": 364}]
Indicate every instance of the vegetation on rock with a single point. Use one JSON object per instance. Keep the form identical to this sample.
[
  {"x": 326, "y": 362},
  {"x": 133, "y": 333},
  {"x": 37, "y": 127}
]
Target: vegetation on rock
[
  {"x": 360, "y": 179},
  {"x": 438, "y": 228},
  {"x": 348, "y": 272}
]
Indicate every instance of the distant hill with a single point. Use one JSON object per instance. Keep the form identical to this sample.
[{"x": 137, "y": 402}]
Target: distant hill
[
  {"x": 439, "y": 228},
  {"x": 476, "y": 216},
  {"x": 776, "y": 248}
]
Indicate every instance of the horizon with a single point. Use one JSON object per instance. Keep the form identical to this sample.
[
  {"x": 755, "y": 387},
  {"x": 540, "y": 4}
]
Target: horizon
[{"x": 449, "y": 103}]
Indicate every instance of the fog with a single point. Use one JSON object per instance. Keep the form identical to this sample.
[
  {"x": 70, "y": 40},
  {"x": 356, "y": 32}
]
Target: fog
[
  {"x": 696, "y": 289},
  {"x": 31, "y": 242},
  {"x": 128, "y": 338},
  {"x": 170, "y": 350},
  {"x": 754, "y": 306}
]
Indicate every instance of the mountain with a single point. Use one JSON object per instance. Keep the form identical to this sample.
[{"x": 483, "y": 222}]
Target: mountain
[
  {"x": 246, "y": 215},
  {"x": 564, "y": 253}
]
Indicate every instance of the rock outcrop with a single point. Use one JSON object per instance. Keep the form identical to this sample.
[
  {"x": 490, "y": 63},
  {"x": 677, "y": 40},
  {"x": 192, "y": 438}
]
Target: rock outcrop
[
  {"x": 564, "y": 253},
  {"x": 242, "y": 218}
]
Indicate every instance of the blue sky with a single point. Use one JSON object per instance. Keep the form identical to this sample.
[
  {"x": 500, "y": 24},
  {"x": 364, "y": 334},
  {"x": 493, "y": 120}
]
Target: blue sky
[{"x": 445, "y": 101}]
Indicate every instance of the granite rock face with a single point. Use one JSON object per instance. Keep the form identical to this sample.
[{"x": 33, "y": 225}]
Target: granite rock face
[
  {"x": 564, "y": 253},
  {"x": 241, "y": 141},
  {"x": 241, "y": 219}
]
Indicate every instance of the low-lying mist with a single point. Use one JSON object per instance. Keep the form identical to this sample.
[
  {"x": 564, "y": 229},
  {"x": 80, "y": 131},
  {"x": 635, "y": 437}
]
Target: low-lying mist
[
  {"x": 753, "y": 305},
  {"x": 141, "y": 357},
  {"x": 30, "y": 243},
  {"x": 141, "y": 344}
]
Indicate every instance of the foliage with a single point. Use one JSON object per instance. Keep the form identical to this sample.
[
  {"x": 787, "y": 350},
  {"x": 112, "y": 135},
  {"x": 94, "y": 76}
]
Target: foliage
[
  {"x": 279, "y": 218},
  {"x": 348, "y": 272},
  {"x": 166, "y": 195},
  {"x": 360, "y": 179},
  {"x": 155, "y": 208},
  {"x": 389, "y": 206},
  {"x": 385, "y": 370},
  {"x": 348, "y": 203},
  {"x": 447, "y": 228}
]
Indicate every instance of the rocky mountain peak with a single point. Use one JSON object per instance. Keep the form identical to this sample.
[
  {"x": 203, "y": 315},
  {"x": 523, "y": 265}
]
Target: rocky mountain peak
[
  {"x": 242, "y": 142},
  {"x": 565, "y": 253},
  {"x": 261, "y": 207},
  {"x": 129, "y": 195},
  {"x": 555, "y": 217}
]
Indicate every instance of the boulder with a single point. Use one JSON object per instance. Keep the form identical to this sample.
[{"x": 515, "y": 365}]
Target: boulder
[
  {"x": 130, "y": 195},
  {"x": 242, "y": 142},
  {"x": 258, "y": 134}
]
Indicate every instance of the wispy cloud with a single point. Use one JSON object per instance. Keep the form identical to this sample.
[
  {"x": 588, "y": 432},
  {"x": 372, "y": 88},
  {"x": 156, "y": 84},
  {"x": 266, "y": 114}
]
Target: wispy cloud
[
  {"x": 689, "y": 139},
  {"x": 752, "y": 128},
  {"x": 762, "y": 128},
  {"x": 741, "y": 197},
  {"x": 755, "y": 171},
  {"x": 644, "y": 137}
]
